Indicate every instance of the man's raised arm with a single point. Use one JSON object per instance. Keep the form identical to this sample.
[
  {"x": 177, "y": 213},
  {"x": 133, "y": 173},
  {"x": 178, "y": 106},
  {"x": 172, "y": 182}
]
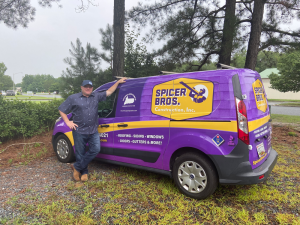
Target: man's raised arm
[{"x": 114, "y": 87}]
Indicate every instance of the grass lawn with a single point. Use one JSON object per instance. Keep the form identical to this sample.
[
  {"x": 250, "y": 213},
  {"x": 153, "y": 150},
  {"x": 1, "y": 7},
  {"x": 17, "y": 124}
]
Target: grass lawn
[
  {"x": 285, "y": 118},
  {"x": 129, "y": 196},
  {"x": 282, "y": 100}
]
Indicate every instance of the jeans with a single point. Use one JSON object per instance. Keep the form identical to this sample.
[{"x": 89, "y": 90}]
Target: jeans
[{"x": 83, "y": 158}]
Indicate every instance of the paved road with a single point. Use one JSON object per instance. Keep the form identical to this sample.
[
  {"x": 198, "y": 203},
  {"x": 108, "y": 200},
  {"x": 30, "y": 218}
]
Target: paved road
[
  {"x": 46, "y": 95},
  {"x": 291, "y": 111}
]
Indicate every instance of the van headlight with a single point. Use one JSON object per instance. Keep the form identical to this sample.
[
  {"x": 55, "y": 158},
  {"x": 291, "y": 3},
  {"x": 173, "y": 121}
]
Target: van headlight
[{"x": 58, "y": 120}]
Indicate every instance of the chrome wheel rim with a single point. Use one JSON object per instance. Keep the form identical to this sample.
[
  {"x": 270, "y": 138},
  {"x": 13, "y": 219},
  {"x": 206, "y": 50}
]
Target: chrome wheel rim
[
  {"x": 62, "y": 148},
  {"x": 192, "y": 177}
]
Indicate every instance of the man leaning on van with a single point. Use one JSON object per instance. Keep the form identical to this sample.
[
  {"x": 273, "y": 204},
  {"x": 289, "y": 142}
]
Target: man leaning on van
[{"x": 84, "y": 108}]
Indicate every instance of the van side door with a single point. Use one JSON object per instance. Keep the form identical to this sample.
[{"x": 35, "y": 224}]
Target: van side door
[
  {"x": 106, "y": 114},
  {"x": 138, "y": 138}
]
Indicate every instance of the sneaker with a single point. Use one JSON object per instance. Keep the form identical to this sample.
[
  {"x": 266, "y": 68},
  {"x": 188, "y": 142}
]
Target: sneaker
[
  {"x": 76, "y": 174},
  {"x": 84, "y": 177}
]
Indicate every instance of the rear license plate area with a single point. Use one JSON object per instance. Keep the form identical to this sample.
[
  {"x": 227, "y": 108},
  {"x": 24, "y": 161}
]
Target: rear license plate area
[{"x": 260, "y": 149}]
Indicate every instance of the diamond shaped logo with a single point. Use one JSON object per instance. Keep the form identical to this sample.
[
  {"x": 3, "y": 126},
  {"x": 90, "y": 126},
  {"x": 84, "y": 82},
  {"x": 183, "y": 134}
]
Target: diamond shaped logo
[{"x": 218, "y": 140}]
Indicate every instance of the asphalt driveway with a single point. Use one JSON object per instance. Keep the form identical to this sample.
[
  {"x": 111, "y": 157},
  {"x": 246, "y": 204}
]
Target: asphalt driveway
[{"x": 284, "y": 110}]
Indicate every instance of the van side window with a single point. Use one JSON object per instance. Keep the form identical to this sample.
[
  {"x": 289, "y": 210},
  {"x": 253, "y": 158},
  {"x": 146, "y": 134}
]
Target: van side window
[{"x": 106, "y": 108}]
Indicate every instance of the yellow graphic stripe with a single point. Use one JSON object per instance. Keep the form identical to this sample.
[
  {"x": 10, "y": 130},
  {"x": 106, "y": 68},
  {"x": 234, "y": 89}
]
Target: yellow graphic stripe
[
  {"x": 230, "y": 126},
  {"x": 222, "y": 126},
  {"x": 253, "y": 125},
  {"x": 70, "y": 136}
]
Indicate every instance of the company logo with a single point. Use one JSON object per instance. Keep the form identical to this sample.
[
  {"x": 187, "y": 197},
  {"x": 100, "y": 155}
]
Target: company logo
[
  {"x": 231, "y": 141},
  {"x": 260, "y": 95},
  {"x": 198, "y": 93},
  {"x": 182, "y": 98},
  {"x": 129, "y": 99}
]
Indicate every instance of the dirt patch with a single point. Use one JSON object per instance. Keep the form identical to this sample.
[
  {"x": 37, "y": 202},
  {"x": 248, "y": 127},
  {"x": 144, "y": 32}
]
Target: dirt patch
[
  {"x": 282, "y": 132},
  {"x": 22, "y": 151}
]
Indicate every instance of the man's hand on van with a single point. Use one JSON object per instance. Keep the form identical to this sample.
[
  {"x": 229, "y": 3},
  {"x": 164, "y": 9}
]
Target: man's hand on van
[
  {"x": 123, "y": 80},
  {"x": 114, "y": 87},
  {"x": 71, "y": 125}
]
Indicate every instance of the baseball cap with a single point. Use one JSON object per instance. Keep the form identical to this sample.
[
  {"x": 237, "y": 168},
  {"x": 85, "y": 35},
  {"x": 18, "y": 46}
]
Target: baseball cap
[{"x": 86, "y": 82}]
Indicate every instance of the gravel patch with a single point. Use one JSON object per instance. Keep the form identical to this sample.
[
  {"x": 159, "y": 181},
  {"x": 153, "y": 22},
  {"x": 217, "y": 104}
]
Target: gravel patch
[{"x": 40, "y": 178}]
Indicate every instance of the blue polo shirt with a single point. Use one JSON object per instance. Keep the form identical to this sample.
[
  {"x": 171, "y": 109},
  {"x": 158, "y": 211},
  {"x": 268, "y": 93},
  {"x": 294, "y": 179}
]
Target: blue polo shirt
[{"x": 84, "y": 110}]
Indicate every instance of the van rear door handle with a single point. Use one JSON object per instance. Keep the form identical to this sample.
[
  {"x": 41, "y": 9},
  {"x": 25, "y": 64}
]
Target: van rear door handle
[
  {"x": 122, "y": 125},
  {"x": 105, "y": 125}
]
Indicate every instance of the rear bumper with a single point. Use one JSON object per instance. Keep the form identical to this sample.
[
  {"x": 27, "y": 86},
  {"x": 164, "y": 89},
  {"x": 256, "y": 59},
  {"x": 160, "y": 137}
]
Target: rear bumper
[
  {"x": 235, "y": 167},
  {"x": 252, "y": 177}
]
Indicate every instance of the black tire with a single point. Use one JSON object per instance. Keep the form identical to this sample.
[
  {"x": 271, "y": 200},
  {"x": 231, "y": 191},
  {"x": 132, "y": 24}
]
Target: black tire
[
  {"x": 63, "y": 149},
  {"x": 195, "y": 175}
]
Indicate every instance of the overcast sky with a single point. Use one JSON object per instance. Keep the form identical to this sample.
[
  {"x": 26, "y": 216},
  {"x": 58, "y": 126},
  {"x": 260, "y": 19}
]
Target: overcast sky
[{"x": 41, "y": 48}]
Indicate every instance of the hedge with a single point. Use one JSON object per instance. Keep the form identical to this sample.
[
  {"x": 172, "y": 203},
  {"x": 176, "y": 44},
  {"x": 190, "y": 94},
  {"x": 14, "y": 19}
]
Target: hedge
[{"x": 26, "y": 119}]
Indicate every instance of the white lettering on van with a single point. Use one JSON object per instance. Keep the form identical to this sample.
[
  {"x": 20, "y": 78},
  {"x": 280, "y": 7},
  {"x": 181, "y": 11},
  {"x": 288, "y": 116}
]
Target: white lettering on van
[
  {"x": 190, "y": 110},
  {"x": 103, "y": 135},
  {"x": 124, "y": 135},
  {"x": 260, "y": 132},
  {"x": 156, "y": 136},
  {"x": 138, "y": 136}
]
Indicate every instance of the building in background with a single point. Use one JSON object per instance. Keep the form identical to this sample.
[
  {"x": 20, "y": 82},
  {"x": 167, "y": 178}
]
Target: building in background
[{"x": 273, "y": 93}]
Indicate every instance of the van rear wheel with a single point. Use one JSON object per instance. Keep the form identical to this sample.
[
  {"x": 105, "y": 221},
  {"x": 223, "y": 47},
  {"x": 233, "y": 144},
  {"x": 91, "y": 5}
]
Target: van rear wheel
[
  {"x": 195, "y": 176},
  {"x": 63, "y": 149}
]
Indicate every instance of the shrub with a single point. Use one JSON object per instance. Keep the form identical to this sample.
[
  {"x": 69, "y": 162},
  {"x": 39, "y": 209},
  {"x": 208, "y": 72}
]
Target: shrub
[
  {"x": 26, "y": 119},
  {"x": 293, "y": 134}
]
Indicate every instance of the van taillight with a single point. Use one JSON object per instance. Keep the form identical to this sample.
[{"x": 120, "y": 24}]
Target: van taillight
[{"x": 242, "y": 120}]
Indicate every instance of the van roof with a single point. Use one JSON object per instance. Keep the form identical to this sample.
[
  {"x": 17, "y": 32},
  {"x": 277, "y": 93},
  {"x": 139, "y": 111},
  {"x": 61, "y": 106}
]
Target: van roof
[{"x": 141, "y": 79}]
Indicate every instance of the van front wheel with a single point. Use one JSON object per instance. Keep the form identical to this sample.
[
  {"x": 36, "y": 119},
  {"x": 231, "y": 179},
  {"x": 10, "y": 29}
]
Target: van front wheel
[
  {"x": 63, "y": 149},
  {"x": 195, "y": 176}
]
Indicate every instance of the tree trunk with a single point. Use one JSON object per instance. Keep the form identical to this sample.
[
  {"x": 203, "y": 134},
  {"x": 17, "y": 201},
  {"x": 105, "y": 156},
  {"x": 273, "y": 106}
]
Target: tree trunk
[
  {"x": 256, "y": 27},
  {"x": 119, "y": 36},
  {"x": 228, "y": 32}
]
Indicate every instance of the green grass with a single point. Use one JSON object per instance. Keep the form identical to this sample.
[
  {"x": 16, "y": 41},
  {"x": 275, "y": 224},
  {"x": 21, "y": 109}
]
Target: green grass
[
  {"x": 292, "y": 104},
  {"x": 282, "y": 100},
  {"x": 129, "y": 196},
  {"x": 285, "y": 118},
  {"x": 123, "y": 195}
]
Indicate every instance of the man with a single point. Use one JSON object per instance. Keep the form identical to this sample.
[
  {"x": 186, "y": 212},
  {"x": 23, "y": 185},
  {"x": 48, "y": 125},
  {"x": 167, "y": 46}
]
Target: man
[{"x": 84, "y": 108}]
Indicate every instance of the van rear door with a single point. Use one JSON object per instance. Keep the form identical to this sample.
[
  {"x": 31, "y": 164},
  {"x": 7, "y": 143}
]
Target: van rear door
[{"x": 258, "y": 116}]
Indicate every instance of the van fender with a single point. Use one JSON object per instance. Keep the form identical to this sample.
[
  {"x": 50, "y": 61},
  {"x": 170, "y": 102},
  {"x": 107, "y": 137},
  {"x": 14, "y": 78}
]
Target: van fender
[
  {"x": 62, "y": 128},
  {"x": 189, "y": 139}
]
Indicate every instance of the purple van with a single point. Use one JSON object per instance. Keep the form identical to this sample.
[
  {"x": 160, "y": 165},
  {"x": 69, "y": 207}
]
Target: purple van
[{"x": 200, "y": 128}]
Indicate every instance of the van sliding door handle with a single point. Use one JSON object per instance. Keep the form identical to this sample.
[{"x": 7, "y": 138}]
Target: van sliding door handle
[
  {"x": 105, "y": 125},
  {"x": 122, "y": 125}
]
